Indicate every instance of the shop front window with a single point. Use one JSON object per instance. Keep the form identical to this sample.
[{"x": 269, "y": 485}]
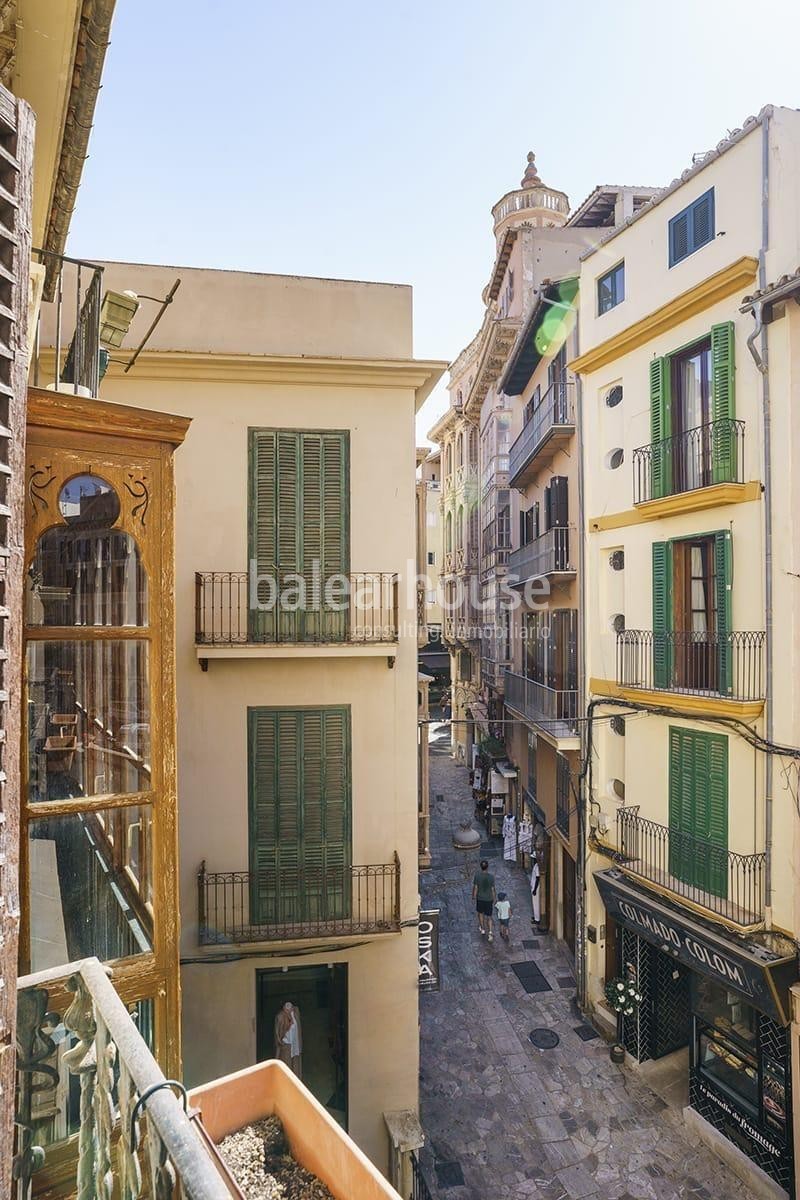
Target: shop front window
[
  {"x": 732, "y": 1069},
  {"x": 727, "y": 1048}
]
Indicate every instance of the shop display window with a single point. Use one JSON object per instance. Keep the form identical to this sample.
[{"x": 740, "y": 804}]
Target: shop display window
[
  {"x": 726, "y": 1011},
  {"x": 730, "y": 1067}
]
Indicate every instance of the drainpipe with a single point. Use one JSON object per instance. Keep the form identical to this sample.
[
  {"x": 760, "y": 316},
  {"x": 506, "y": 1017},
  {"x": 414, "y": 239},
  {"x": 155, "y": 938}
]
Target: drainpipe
[
  {"x": 580, "y": 958},
  {"x": 760, "y": 356}
]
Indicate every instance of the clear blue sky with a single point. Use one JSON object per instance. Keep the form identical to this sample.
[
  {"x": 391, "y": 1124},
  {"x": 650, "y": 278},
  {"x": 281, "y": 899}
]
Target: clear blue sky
[{"x": 369, "y": 140}]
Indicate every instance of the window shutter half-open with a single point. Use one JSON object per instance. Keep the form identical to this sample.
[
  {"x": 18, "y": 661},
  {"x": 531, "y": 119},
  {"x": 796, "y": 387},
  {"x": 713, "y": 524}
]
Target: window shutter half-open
[
  {"x": 723, "y": 408},
  {"x": 662, "y": 614},
  {"x": 660, "y": 429},
  {"x": 679, "y": 234},
  {"x": 723, "y": 579}
]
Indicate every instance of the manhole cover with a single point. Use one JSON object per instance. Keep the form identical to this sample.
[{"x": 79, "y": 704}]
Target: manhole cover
[{"x": 543, "y": 1039}]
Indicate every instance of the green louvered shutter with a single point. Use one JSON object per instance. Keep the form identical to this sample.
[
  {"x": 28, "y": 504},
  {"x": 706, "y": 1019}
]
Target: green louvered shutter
[
  {"x": 660, "y": 428},
  {"x": 717, "y": 813},
  {"x": 334, "y": 539},
  {"x": 723, "y": 579},
  {"x": 662, "y": 614},
  {"x": 275, "y": 816},
  {"x": 681, "y": 805},
  {"x": 724, "y": 467},
  {"x": 299, "y": 526},
  {"x": 262, "y": 530},
  {"x": 300, "y": 814},
  {"x": 698, "y": 809}
]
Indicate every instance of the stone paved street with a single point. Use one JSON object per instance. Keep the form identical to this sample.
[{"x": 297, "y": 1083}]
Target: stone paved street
[{"x": 515, "y": 1121}]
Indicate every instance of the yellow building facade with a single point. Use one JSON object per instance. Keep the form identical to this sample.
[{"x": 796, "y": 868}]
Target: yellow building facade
[{"x": 691, "y": 888}]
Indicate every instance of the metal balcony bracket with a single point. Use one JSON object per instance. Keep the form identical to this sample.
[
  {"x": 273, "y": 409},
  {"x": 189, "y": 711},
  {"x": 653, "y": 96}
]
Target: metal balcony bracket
[
  {"x": 390, "y": 662},
  {"x": 142, "y": 1103},
  {"x": 203, "y": 664}
]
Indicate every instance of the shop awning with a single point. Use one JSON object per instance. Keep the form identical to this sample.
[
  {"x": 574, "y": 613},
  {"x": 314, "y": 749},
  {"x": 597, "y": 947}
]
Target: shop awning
[
  {"x": 762, "y": 975},
  {"x": 506, "y": 770}
]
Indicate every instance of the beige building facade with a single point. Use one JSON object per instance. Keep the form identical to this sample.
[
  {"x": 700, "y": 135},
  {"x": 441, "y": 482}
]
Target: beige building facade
[
  {"x": 296, "y": 731},
  {"x": 690, "y": 606}
]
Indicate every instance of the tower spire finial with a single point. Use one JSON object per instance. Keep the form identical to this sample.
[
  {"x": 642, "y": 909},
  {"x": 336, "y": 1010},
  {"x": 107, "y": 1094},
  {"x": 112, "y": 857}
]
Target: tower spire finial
[{"x": 531, "y": 176}]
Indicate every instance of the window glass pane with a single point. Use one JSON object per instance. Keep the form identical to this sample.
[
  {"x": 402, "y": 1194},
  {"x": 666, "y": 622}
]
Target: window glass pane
[
  {"x": 735, "y": 1073},
  {"x": 88, "y": 718},
  {"x": 725, "y": 1010},
  {"x": 86, "y": 576},
  {"x": 88, "y": 502},
  {"x": 90, "y": 886}
]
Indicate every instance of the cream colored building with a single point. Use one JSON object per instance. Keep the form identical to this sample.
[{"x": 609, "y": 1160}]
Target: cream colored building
[
  {"x": 690, "y": 588},
  {"x": 296, "y": 731}
]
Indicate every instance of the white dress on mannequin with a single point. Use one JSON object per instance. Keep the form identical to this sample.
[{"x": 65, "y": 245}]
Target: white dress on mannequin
[
  {"x": 510, "y": 837},
  {"x": 535, "y": 900}
]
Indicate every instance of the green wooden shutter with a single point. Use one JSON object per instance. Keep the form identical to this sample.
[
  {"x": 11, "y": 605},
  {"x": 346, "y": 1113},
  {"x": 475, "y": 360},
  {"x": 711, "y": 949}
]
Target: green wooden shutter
[
  {"x": 724, "y": 447},
  {"x": 717, "y": 813},
  {"x": 660, "y": 428},
  {"x": 262, "y": 529},
  {"x": 698, "y": 809},
  {"x": 334, "y": 538},
  {"x": 300, "y": 814},
  {"x": 723, "y": 579},
  {"x": 662, "y": 614}
]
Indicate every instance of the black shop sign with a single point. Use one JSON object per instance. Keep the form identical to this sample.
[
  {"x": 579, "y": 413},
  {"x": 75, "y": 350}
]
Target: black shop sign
[
  {"x": 763, "y": 977},
  {"x": 428, "y": 938}
]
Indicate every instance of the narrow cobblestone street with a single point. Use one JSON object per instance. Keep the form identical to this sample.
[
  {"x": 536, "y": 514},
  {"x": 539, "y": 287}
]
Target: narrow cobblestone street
[{"x": 503, "y": 1119}]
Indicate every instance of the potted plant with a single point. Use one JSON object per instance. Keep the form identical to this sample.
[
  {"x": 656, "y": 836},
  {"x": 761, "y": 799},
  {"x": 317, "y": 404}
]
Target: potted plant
[{"x": 624, "y": 997}]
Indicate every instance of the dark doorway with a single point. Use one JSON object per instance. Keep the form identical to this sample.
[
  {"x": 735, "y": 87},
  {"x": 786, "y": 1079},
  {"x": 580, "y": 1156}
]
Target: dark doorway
[
  {"x": 320, "y": 995},
  {"x": 671, "y": 1005},
  {"x": 568, "y": 898}
]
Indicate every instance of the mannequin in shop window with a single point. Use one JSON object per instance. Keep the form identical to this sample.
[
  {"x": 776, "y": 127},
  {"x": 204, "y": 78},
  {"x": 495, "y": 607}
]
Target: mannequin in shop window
[
  {"x": 509, "y": 837},
  {"x": 289, "y": 1037},
  {"x": 536, "y": 902}
]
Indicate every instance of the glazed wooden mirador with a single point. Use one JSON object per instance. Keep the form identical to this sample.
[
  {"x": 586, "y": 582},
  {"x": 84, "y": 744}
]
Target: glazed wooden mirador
[{"x": 99, "y": 820}]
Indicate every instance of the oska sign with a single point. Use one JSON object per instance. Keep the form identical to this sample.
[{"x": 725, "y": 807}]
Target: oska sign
[
  {"x": 764, "y": 977},
  {"x": 428, "y": 934}
]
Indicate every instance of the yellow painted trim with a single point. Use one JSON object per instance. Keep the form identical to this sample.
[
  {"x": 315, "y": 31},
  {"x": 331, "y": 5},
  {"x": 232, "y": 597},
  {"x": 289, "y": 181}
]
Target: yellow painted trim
[
  {"x": 683, "y": 502},
  {"x": 706, "y": 706},
  {"x": 724, "y": 283}
]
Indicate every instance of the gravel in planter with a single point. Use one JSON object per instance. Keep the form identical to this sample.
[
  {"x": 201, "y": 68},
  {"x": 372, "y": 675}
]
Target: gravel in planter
[{"x": 260, "y": 1161}]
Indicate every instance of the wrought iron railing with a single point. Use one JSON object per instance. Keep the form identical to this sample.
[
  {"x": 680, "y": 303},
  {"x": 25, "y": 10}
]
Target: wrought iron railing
[
  {"x": 246, "y": 906},
  {"x": 235, "y": 608},
  {"x": 729, "y": 665},
  {"x": 722, "y": 882},
  {"x": 419, "y": 1184},
  {"x": 89, "y": 1041},
  {"x": 545, "y": 555},
  {"x": 493, "y": 672},
  {"x": 697, "y": 458},
  {"x": 555, "y": 411},
  {"x": 555, "y": 708},
  {"x": 72, "y": 321}
]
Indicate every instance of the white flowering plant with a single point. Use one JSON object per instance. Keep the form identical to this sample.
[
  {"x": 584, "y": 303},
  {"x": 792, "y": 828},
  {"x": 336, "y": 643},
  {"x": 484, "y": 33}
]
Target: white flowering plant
[{"x": 623, "y": 996}]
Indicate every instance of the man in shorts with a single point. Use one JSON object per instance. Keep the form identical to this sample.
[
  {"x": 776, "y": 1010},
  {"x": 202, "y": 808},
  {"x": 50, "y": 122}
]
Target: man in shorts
[{"x": 484, "y": 895}]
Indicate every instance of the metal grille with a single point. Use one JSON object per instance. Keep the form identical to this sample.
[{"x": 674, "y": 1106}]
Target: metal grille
[
  {"x": 419, "y": 1186},
  {"x": 637, "y": 1030}
]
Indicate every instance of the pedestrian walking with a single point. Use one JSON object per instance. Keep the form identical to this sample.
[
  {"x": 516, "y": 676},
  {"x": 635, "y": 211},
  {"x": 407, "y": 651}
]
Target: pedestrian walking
[
  {"x": 504, "y": 910},
  {"x": 484, "y": 895}
]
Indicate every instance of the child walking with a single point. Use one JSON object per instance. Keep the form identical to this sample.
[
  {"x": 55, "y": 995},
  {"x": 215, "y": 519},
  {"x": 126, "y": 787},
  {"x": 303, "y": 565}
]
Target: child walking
[{"x": 503, "y": 910}]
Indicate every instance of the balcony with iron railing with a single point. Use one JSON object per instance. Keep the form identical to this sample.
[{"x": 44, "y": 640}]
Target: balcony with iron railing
[
  {"x": 730, "y": 665},
  {"x": 549, "y": 428},
  {"x": 86, "y": 1078},
  {"x": 555, "y": 710},
  {"x": 297, "y": 903},
  {"x": 716, "y": 880},
  {"x": 696, "y": 459},
  {"x": 493, "y": 672},
  {"x": 236, "y": 611},
  {"x": 466, "y": 559},
  {"x": 547, "y": 555},
  {"x": 67, "y": 354}
]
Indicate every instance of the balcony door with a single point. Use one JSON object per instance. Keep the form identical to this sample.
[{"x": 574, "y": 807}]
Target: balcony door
[
  {"x": 300, "y": 816},
  {"x": 299, "y": 543},
  {"x": 691, "y": 418},
  {"x": 692, "y": 648}
]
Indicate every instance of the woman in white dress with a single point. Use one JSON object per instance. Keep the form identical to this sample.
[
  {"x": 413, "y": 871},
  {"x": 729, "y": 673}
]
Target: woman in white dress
[
  {"x": 289, "y": 1037},
  {"x": 509, "y": 838}
]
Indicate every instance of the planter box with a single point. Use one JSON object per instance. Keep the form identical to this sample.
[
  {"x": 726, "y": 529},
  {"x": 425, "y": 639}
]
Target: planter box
[{"x": 316, "y": 1141}]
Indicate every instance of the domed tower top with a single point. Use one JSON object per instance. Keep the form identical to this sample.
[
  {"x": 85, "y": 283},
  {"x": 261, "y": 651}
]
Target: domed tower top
[{"x": 533, "y": 203}]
